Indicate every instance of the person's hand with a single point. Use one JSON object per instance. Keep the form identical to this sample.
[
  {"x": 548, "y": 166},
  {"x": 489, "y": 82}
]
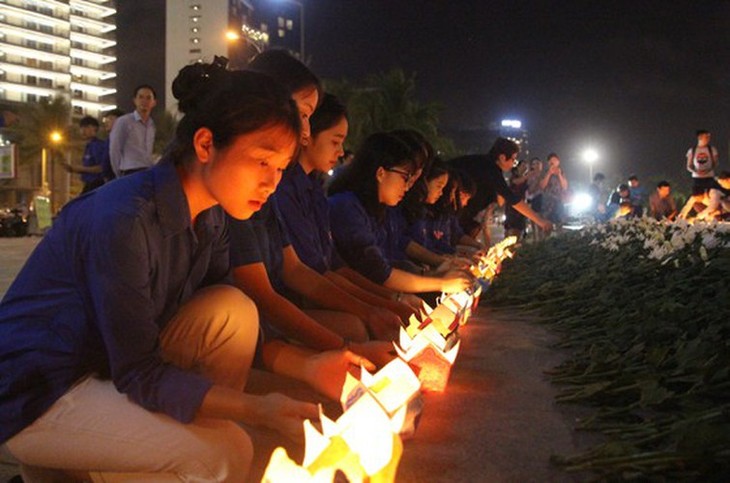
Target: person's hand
[
  {"x": 403, "y": 310},
  {"x": 456, "y": 281},
  {"x": 546, "y": 226},
  {"x": 382, "y": 323},
  {"x": 414, "y": 302},
  {"x": 326, "y": 371},
  {"x": 286, "y": 415},
  {"x": 378, "y": 352}
]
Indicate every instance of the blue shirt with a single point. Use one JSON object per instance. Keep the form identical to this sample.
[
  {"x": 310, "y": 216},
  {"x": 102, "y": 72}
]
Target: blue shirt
[
  {"x": 439, "y": 233},
  {"x": 359, "y": 237},
  {"x": 131, "y": 142},
  {"x": 96, "y": 293},
  {"x": 396, "y": 234},
  {"x": 305, "y": 212},
  {"x": 96, "y": 153},
  {"x": 261, "y": 239}
]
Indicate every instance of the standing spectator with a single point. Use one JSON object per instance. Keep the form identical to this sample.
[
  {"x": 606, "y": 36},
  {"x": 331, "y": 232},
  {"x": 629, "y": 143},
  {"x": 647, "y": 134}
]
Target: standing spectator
[
  {"x": 554, "y": 188},
  {"x": 95, "y": 156},
  {"x": 637, "y": 194},
  {"x": 108, "y": 120},
  {"x": 661, "y": 202},
  {"x": 514, "y": 222},
  {"x": 534, "y": 193},
  {"x": 595, "y": 190},
  {"x": 133, "y": 136},
  {"x": 702, "y": 160}
]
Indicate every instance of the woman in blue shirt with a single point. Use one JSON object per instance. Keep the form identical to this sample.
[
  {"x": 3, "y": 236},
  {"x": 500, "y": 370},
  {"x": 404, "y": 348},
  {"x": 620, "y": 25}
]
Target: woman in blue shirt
[
  {"x": 120, "y": 349},
  {"x": 266, "y": 266},
  {"x": 305, "y": 213},
  {"x": 438, "y": 227},
  {"x": 378, "y": 178}
]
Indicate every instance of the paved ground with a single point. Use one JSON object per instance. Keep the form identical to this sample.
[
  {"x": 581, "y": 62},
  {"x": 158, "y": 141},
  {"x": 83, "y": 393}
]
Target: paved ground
[{"x": 496, "y": 422}]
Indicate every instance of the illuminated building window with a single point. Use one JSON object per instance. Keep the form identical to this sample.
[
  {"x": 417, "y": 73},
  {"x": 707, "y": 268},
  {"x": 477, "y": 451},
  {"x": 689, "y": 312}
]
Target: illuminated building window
[
  {"x": 281, "y": 33},
  {"x": 264, "y": 27},
  {"x": 280, "y": 21},
  {"x": 289, "y": 24}
]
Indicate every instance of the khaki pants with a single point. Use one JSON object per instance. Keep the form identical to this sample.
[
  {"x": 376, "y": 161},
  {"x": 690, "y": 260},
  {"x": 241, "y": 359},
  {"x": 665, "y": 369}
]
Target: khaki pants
[{"x": 96, "y": 430}]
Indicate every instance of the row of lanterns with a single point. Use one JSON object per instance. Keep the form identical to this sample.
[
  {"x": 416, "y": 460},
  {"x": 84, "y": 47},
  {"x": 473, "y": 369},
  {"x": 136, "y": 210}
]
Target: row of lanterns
[{"x": 381, "y": 410}]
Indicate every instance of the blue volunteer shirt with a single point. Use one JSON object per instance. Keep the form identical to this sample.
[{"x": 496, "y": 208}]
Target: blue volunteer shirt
[
  {"x": 359, "y": 238},
  {"x": 98, "y": 290},
  {"x": 96, "y": 153},
  {"x": 261, "y": 239},
  {"x": 396, "y": 237},
  {"x": 437, "y": 232},
  {"x": 305, "y": 212}
]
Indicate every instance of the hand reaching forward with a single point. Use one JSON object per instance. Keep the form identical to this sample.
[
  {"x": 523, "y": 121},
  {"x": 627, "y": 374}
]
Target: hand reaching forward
[
  {"x": 286, "y": 415},
  {"x": 326, "y": 371}
]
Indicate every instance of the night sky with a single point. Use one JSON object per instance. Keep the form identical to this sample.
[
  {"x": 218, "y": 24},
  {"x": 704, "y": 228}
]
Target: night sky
[{"x": 634, "y": 79}]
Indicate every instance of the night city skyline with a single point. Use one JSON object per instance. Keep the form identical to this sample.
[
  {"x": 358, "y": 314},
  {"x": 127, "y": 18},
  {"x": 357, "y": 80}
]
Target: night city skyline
[{"x": 633, "y": 80}]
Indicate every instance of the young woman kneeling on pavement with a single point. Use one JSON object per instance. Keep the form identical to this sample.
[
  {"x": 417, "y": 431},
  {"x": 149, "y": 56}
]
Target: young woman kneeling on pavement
[{"x": 121, "y": 351}]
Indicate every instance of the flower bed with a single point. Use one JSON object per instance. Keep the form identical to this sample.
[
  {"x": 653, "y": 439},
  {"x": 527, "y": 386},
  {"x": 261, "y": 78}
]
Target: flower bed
[{"x": 644, "y": 308}]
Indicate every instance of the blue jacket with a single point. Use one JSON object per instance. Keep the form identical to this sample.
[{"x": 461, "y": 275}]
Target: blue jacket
[{"x": 96, "y": 293}]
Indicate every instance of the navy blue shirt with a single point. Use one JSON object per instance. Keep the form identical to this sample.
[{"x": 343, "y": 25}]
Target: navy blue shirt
[
  {"x": 96, "y": 153},
  {"x": 396, "y": 234},
  {"x": 439, "y": 233},
  {"x": 359, "y": 237},
  {"x": 98, "y": 290},
  {"x": 305, "y": 212},
  {"x": 261, "y": 239}
]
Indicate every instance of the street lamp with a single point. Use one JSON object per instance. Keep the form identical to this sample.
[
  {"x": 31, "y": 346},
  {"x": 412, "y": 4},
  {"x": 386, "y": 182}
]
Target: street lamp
[
  {"x": 55, "y": 137},
  {"x": 590, "y": 156}
]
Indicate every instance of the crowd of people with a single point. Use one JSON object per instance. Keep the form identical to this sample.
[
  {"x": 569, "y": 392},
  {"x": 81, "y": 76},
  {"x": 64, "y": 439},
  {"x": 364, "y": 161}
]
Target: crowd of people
[
  {"x": 547, "y": 192},
  {"x": 127, "y": 338}
]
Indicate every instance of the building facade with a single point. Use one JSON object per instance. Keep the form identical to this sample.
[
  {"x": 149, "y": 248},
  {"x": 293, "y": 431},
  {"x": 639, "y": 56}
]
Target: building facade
[{"x": 56, "y": 47}]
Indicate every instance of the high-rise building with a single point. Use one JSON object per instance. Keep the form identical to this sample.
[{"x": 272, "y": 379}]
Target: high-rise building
[
  {"x": 57, "y": 47},
  {"x": 170, "y": 34}
]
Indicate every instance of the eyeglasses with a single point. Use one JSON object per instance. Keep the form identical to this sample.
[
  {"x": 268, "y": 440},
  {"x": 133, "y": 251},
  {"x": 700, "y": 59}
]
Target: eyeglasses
[{"x": 405, "y": 175}]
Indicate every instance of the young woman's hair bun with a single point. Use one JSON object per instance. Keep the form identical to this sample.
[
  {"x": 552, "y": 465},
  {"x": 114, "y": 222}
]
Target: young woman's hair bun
[{"x": 195, "y": 80}]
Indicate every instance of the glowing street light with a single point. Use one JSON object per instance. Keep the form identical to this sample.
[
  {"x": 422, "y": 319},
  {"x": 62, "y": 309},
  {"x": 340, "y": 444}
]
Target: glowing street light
[
  {"x": 232, "y": 36},
  {"x": 55, "y": 137},
  {"x": 590, "y": 156}
]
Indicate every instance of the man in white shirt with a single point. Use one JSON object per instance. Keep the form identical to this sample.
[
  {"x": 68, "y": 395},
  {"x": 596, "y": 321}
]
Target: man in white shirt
[{"x": 133, "y": 135}]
